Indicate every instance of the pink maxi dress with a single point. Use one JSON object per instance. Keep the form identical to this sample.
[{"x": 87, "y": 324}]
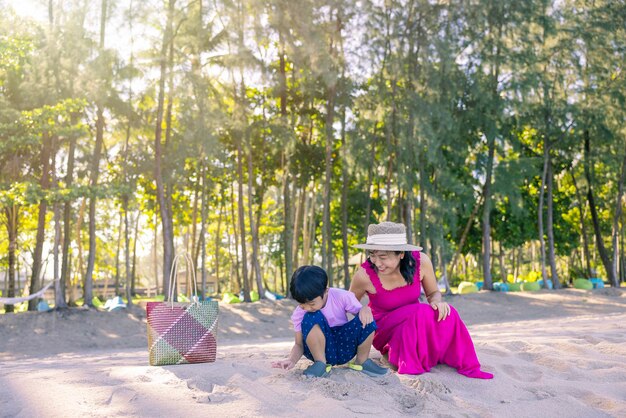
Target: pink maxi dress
[{"x": 409, "y": 333}]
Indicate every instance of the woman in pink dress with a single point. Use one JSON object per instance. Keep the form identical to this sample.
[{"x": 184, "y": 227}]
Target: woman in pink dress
[{"x": 413, "y": 336}]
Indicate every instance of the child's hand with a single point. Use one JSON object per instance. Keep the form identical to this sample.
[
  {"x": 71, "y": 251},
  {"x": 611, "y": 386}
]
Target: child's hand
[
  {"x": 365, "y": 315},
  {"x": 286, "y": 364}
]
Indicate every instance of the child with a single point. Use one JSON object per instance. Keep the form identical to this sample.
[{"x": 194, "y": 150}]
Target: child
[{"x": 323, "y": 332}]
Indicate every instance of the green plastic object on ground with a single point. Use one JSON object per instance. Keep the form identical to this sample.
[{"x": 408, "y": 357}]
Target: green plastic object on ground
[
  {"x": 230, "y": 298},
  {"x": 97, "y": 302},
  {"x": 467, "y": 287},
  {"x": 515, "y": 287},
  {"x": 254, "y": 295},
  {"x": 530, "y": 286},
  {"x": 583, "y": 284}
]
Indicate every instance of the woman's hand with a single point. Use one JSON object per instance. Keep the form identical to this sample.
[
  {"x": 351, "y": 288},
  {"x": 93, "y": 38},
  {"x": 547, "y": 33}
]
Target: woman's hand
[
  {"x": 442, "y": 308},
  {"x": 365, "y": 315},
  {"x": 285, "y": 364}
]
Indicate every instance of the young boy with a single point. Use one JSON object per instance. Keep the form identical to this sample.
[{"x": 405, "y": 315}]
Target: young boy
[{"x": 323, "y": 332}]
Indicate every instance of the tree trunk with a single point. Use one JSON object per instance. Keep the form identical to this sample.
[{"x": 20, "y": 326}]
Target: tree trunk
[
  {"x": 286, "y": 186},
  {"x": 542, "y": 243},
  {"x": 218, "y": 241},
  {"x": 551, "y": 255},
  {"x": 444, "y": 268},
  {"x": 327, "y": 244},
  {"x": 253, "y": 227},
  {"x": 133, "y": 275},
  {"x": 59, "y": 289},
  {"x": 242, "y": 223},
  {"x": 95, "y": 172},
  {"x": 195, "y": 249},
  {"x": 370, "y": 176},
  {"x": 615, "y": 229},
  {"x": 12, "y": 212},
  {"x": 583, "y": 227},
  {"x": 298, "y": 224},
  {"x": 344, "y": 201},
  {"x": 118, "y": 248},
  {"x": 423, "y": 180},
  {"x": 501, "y": 263},
  {"x": 203, "y": 221},
  {"x": 59, "y": 296},
  {"x": 486, "y": 222},
  {"x": 622, "y": 257},
  {"x": 288, "y": 224},
  {"x": 35, "y": 282},
  {"x": 163, "y": 194},
  {"x": 73, "y": 293},
  {"x": 608, "y": 265},
  {"x": 128, "y": 281},
  {"x": 309, "y": 228},
  {"x": 236, "y": 235},
  {"x": 67, "y": 219},
  {"x": 464, "y": 235},
  {"x": 155, "y": 258}
]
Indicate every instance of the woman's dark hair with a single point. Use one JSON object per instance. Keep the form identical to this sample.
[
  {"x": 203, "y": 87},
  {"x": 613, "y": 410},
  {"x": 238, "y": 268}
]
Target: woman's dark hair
[
  {"x": 307, "y": 283},
  {"x": 407, "y": 265}
]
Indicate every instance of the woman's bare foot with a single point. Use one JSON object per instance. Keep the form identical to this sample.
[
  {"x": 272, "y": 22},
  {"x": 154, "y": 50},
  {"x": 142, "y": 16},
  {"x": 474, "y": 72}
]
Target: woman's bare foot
[{"x": 385, "y": 361}]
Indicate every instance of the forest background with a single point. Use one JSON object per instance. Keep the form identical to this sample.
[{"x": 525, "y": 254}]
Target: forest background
[{"x": 258, "y": 136}]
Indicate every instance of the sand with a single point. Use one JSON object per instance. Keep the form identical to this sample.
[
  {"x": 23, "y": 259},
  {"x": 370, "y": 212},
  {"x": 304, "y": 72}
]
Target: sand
[{"x": 553, "y": 353}]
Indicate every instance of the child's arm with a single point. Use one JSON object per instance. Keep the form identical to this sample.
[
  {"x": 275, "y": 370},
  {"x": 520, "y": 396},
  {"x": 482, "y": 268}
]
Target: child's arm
[{"x": 296, "y": 352}]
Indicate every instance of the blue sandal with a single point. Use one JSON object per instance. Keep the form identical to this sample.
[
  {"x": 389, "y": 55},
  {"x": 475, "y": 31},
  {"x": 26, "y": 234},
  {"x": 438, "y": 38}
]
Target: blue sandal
[
  {"x": 369, "y": 368},
  {"x": 317, "y": 369}
]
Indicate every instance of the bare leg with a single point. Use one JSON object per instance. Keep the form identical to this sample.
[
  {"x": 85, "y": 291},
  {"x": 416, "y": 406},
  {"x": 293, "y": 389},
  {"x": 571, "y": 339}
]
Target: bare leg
[
  {"x": 316, "y": 341},
  {"x": 363, "y": 351}
]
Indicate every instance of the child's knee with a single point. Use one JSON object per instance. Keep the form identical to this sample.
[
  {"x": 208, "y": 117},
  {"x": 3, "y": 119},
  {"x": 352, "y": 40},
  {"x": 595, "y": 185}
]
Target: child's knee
[
  {"x": 370, "y": 328},
  {"x": 315, "y": 334},
  {"x": 312, "y": 318},
  {"x": 367, "y": 329}
]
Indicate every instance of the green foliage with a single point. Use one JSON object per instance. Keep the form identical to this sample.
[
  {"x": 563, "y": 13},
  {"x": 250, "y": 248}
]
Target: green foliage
[{"x": 425, "y": 88}]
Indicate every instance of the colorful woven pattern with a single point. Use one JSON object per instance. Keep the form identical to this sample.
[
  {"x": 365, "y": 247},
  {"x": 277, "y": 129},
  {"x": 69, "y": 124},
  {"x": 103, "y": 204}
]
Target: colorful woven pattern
[{"x": 181, "y": 333}]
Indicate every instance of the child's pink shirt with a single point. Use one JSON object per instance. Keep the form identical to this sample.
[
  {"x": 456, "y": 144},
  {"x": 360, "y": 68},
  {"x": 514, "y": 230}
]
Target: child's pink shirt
[{"x": 338, "y": 303}]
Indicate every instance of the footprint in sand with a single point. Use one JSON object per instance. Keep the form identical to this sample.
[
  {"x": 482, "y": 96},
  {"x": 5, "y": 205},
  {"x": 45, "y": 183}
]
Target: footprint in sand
[
  {"x": 542, "y": 393},
  {"x": 591, "y": 340},
  {"x": 145, "y": 379},
  {"x": 121, "y": 396},
  {"x": 494, "y": 352},
  {"x": 427, "y": 387},
  {"x": 522, "y": 374},
  {"x": 217, "y": 394},
  {"x": 596, "y": 401},
  {"x": 517, "y": 346}
]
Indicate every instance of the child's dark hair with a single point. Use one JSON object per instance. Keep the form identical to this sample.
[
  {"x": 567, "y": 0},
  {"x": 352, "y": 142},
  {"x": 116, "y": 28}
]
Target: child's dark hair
[
  {"x": 307, "y": 283},
  {"x": 407, "y": 266}
]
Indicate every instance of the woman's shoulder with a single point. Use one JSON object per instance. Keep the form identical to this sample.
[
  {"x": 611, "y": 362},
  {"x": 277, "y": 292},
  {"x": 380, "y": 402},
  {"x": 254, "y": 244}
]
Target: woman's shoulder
[
  {"x": 361, "y": 275},
  {"x": 422, "y": 257},
  {"x": 360, "y": 279}
]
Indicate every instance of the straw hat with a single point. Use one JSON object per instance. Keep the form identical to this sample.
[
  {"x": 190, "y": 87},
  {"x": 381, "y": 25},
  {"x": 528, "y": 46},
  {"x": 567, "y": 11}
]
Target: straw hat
[{"x": 387, "y": 236}]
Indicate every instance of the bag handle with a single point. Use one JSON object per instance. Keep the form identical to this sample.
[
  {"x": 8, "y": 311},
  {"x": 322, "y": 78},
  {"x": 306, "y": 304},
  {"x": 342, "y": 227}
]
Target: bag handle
[{"x": 174, "y": 278}]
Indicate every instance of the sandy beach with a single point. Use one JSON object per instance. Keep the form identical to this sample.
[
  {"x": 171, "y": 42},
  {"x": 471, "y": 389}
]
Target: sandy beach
[{"x": 553, "y": 353}]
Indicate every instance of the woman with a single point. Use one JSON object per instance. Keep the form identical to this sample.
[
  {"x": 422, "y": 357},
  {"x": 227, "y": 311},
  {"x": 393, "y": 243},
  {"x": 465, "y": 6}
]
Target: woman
[{"x": 413, "y": 336}]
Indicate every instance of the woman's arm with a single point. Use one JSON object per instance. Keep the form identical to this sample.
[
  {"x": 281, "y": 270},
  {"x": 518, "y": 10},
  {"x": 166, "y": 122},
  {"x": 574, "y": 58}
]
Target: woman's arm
[
  {"x": 431, "y": 288},
  {"x": 361, "y": 284}
]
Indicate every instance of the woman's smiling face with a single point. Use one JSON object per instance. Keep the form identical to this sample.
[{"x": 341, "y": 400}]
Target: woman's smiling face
[{"x": 386, "y": 262}]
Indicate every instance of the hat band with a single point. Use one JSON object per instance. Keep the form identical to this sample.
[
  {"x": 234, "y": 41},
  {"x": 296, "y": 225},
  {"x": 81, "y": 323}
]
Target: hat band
[{"x": 387, "y": 239}]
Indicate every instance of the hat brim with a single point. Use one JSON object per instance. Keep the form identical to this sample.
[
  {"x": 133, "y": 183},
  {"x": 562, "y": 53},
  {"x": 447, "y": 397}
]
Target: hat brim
[{"x": 398, "y": 247}]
